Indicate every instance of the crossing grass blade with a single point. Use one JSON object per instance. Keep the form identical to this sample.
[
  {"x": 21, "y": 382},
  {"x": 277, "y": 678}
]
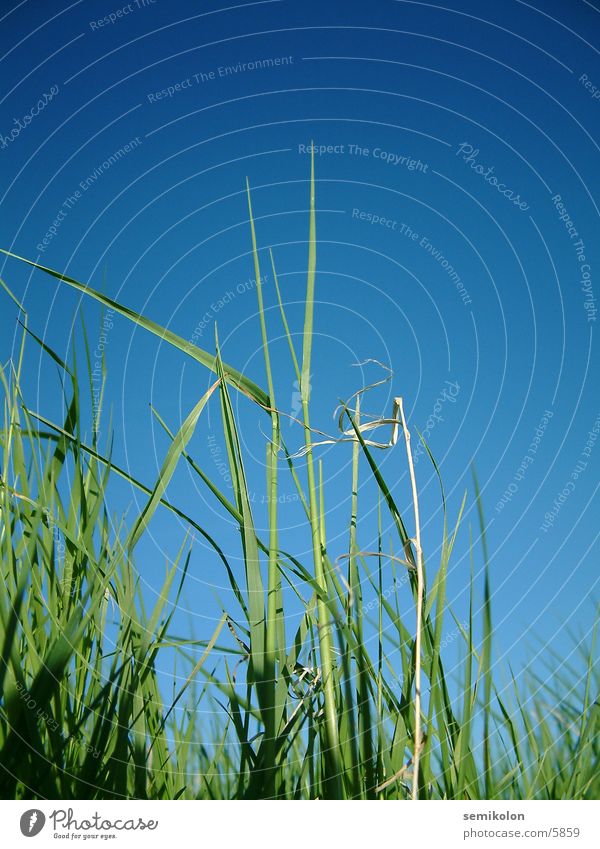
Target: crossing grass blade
[
  {"x": 231, "y": 375},
  {"x": 172, "y": 457}
]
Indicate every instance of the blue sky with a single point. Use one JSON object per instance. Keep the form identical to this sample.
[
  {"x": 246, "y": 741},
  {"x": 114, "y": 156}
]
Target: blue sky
[{"x": 457, "y": 221}]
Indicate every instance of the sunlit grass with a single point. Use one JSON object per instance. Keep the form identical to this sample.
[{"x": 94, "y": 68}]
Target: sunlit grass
[{"x": 326, "y": 712}]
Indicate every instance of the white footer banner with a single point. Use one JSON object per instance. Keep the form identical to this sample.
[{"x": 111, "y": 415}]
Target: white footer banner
[{"x": 286, "y": 825}]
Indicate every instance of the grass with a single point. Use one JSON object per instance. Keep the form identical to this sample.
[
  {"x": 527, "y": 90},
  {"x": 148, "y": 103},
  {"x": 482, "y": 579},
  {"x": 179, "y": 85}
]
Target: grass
[{"x": 348, "y": 706}]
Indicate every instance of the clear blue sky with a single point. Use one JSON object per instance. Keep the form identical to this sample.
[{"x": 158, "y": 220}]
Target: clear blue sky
[{"x": 457, "y": 194}]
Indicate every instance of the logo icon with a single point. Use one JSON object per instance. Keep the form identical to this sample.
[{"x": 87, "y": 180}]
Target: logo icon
[{"x": 32, "y": 822}]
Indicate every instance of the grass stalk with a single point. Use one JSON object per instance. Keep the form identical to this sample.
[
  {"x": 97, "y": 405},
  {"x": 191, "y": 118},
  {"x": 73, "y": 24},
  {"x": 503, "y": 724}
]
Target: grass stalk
[
  {"x": 273, "y": 577},
  {"x": 332, "y": 754},
  {"x": 419, "y": 604}
]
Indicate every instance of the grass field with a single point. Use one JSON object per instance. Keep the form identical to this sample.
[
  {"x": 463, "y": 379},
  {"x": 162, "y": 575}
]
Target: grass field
[{"x": 317, "y": 713}]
